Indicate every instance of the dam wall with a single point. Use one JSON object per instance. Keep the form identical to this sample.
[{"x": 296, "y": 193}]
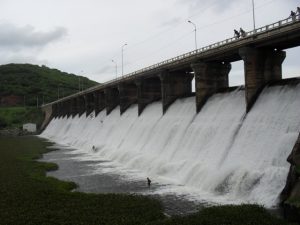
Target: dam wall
[{"x": 220, "y": 155}]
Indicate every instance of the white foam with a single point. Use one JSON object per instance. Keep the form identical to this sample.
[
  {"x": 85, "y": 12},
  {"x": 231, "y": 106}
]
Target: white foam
[{"x": 217, "y": 155}]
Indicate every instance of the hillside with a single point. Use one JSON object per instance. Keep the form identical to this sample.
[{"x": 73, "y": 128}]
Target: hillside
[{"x": 23, "y": 84}]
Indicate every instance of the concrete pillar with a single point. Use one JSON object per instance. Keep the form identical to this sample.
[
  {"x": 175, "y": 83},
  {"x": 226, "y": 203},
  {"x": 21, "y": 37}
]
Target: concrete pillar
[
  {"x": 64, "y": 108},
  {"x": 81, "y": 105},
  {"x": 99, "y": 101},
  {"x": 59, "y": 110},
  {"x": 74, "y": 109},
  {"x": 89, "y": 103},
  {"x": 273, "y": 65},
  {"x": 111, "y": 99},
  {"x": 149, "y": 90},
  {"x": 209, "y": 78},
  {"x": 174, "y": 85},
  {"x": 261, "y": 66},
  {"x": 67, "y": 108},
  {"x": 48, "y": 115},
  {"x": 128, "y": 95},
  {"x": 54, "y": 110}
]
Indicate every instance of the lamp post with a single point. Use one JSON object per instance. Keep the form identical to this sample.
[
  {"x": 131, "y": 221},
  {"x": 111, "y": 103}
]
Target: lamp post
[
  {"x": 116, "y": 67},
  {"x": 79, "y": 84},
  {"x": 195, "y": 30},
  {"x": 122, "y": 57},
  {"x": 79, "y": 81},
  {"x": 253, "y": 14}
]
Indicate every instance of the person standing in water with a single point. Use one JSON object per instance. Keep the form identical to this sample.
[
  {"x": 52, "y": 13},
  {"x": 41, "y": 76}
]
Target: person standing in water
[{"x": 149, "y": 182}]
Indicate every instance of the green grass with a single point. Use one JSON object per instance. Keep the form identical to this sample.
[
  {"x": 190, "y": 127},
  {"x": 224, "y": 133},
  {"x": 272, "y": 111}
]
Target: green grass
[
  {"x": 28, "y": 197},
  {"x": 17, "y": 116},
  {"x": 227, "y": 215}
]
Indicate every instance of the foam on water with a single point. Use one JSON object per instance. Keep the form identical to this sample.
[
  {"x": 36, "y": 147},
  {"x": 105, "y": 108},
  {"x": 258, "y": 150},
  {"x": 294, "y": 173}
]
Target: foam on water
[{"x": 220, "y": 155}]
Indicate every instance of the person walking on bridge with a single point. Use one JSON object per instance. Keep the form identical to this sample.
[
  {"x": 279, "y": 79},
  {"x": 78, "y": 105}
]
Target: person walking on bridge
[
  {"x": 293, "y": 15},
  {"x": 243, "y": 33},
  {"x": 236, "y": 34},
  {"x": 298, "y": 12}
]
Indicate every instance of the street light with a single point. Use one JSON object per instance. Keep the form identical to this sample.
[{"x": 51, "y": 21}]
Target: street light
[
  {"x": 253, "y": 14},
  {"x": 116, "y": 67},
  {"x": 122, "y": 56},
  {"x": 195, "y": 30},
  {"x": 79, "y": 83}
]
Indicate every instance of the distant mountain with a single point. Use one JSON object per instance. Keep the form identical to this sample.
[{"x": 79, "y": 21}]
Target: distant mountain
[{"x": 26, "y": 84}]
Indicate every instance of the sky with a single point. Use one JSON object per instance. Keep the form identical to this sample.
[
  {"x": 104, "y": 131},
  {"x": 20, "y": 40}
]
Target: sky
[{"x": 83, "y": 37}]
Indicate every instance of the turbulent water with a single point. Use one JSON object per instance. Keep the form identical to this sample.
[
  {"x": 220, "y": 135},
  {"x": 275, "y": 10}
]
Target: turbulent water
[{"x": 220, "y": 155}]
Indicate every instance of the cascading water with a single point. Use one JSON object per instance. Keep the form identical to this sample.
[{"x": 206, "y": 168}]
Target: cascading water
[{"x": 220, "y": 155}]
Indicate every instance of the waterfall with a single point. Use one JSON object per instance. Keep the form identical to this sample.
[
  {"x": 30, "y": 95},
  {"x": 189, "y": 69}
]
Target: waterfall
[{"x": 221, "y": 154}]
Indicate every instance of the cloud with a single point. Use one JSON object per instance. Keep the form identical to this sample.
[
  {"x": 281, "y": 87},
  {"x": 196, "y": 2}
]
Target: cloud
[
  {"x": 16, "y": 38},
  {"x": 171, "y": 22},
  {"x": 214, "y": 5},
  {"x": 21, "y": 58},
  {"x": 106, "y": 69}
]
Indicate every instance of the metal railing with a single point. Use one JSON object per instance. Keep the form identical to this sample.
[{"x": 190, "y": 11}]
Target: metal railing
[{"x": 197, "y": 52}]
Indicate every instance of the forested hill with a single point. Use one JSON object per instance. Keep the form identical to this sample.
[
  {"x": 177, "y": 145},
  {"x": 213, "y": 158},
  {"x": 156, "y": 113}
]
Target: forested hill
[{"x": 26, "y": 84}]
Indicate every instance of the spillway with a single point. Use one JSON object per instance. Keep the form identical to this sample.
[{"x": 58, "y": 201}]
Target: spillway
[{"x": 222, "y": 155}]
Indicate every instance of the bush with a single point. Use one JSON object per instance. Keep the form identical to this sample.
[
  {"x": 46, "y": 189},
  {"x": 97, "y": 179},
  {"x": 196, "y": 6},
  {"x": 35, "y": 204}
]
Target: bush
[{"x": 3, "y": 123}]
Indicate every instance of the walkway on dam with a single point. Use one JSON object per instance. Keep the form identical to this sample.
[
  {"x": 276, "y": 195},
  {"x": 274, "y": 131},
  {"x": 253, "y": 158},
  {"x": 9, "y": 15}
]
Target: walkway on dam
[{"x": 260, "y": 49}]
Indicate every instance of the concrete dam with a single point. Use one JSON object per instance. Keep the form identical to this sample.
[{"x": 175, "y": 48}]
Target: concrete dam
[{"x": 219, "y": 144}]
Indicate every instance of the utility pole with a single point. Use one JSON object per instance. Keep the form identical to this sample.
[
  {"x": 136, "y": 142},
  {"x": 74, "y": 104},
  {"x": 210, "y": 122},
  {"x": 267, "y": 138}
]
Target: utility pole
[
  {"x": 79, "y": 84},
  {"x": 253, "y": 15},
  {"x": 116, "y": 67},
  {"x": 195, "y": 30},
  {"x": 122, "y": 57}
]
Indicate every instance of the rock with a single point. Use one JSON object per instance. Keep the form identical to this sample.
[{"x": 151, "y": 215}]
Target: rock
[{"x": 290, "y": 196}]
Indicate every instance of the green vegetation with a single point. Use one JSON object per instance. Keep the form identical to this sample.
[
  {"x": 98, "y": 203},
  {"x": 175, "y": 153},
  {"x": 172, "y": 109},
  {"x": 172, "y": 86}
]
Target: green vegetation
[
  {"x": 295, "y": 201},
  {"x": 32, "y": 82},
  {"x": 15, "y": 117},
  {"x": 227, "y": 215},
  {"x": 27, "y": 196}
]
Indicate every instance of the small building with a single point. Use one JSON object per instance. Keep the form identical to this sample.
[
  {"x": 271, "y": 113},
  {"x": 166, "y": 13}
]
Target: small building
[{"x": 29, "y": 127}]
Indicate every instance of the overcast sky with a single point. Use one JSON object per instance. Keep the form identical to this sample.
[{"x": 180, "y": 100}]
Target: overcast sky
[{"x": 82, "y": 37}]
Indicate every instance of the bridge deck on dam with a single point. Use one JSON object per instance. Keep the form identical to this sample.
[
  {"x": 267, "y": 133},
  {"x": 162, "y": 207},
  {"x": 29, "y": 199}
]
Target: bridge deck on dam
[{"x": 260, "y": 49}]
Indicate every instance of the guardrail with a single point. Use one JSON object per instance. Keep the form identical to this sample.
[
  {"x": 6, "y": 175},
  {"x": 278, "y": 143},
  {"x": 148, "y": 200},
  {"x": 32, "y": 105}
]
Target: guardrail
[{"x": 197, "y": 52}]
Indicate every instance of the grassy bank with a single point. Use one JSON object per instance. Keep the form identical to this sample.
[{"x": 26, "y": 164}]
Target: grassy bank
[
  {"x": 15, "y": 117},
  {"x": 27, "y": 196}
]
